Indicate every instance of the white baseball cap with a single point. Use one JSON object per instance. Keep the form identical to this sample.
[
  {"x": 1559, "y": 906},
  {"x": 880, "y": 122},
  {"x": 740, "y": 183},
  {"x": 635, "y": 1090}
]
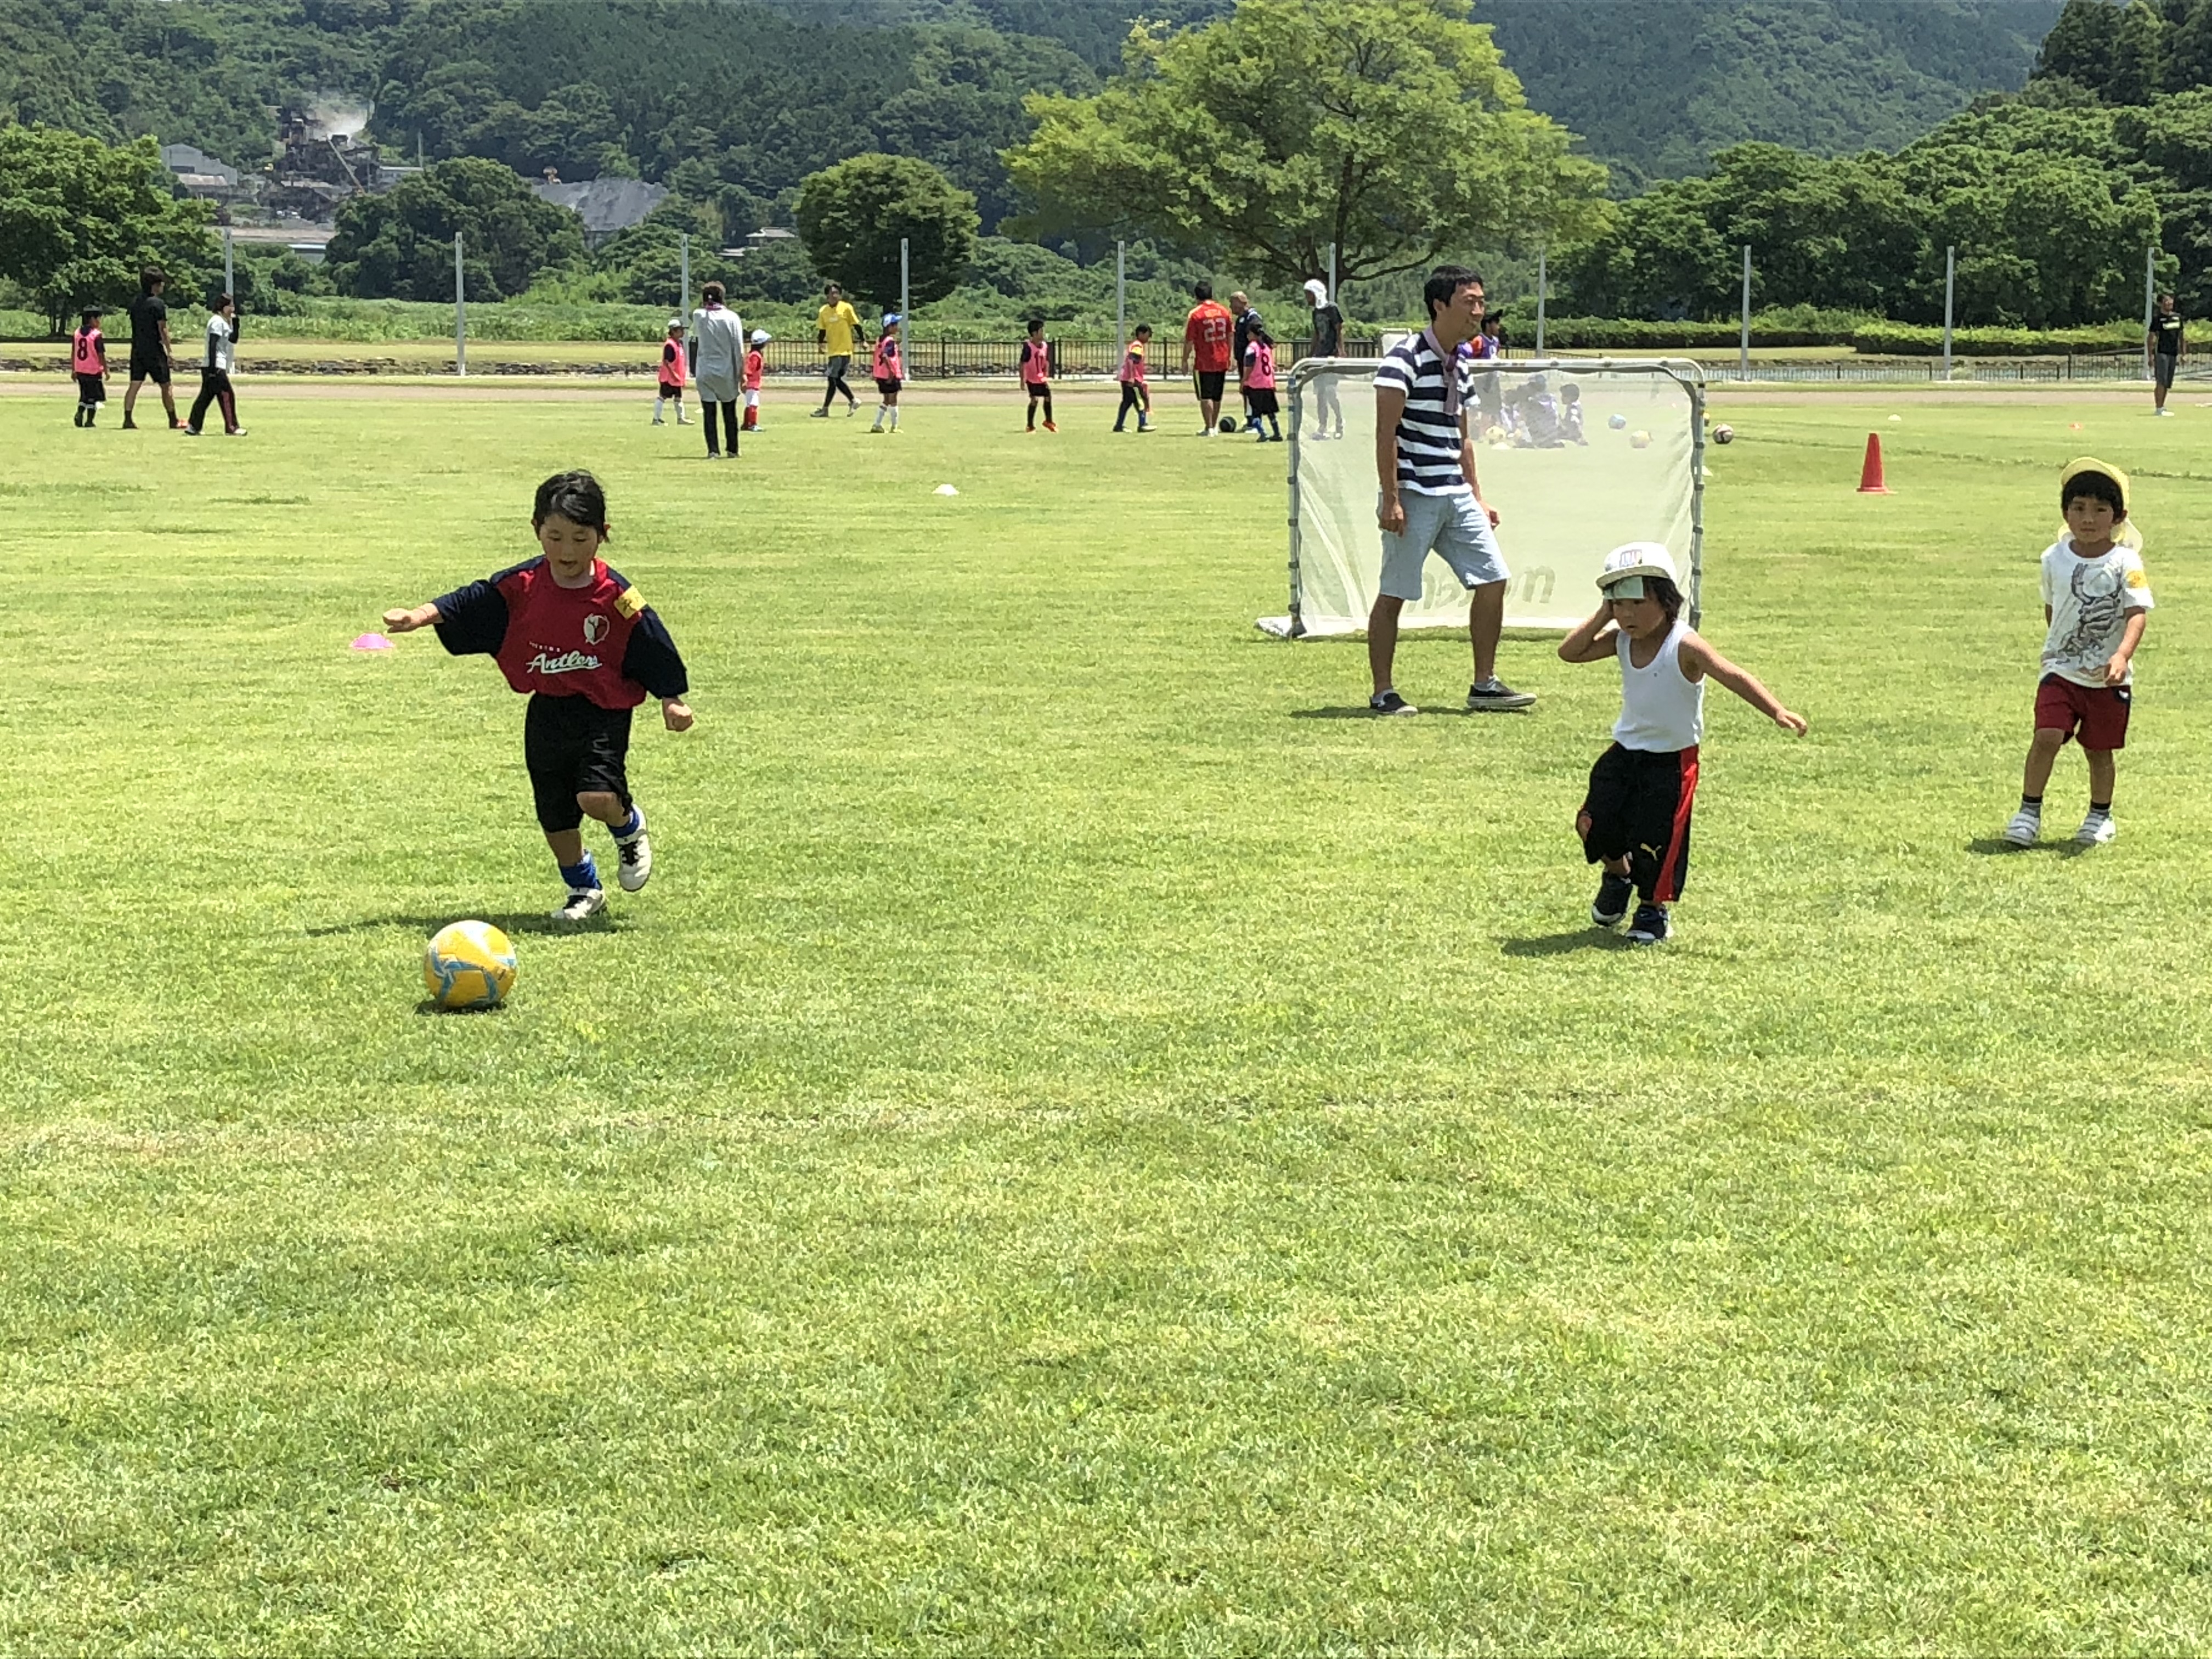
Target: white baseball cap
[
  {"x": 675, "y": 322},
  {"x": 1631, "y": 562},
  {"x": 1318, "y": 289},
  {"x": 760, "y": 336}
]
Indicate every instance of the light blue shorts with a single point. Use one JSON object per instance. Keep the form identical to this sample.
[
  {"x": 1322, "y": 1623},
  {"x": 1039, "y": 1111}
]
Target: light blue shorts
[{"x": 1456, "y": 529}]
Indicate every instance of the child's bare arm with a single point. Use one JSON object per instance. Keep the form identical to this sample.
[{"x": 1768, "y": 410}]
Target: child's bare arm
[
  {"x": 1697, "y": 654},
  {"x": 2116, "y": 670},
  {"x": 1592, "y": 639},
  {"x": 406, "y": 622}
]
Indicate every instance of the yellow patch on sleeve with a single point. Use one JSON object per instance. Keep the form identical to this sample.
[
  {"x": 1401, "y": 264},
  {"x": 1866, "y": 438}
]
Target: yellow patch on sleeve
[
  {"x": 2137, "y": 579},
  {"x": 630, "y": 603}
]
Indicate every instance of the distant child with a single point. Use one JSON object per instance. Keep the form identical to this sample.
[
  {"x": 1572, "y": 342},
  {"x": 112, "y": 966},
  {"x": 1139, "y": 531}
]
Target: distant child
[
  {"x": 88, "y": 362},
  {"x": 214, "y": 372},
  {"x": 1636, "y": 819},
  {"x": 674, "y": 362},
  {"x": 1570, "y": 414},
  {"x": 1260, "y": 403},
  {"x": 755, "y": 362},
  {"x": 1135, "y": 393},
  {"x": 1036, "y": 374},
  {"x": 2096, "y": 600},
  {"x": 586, "y": 648},
  {"x": 890, "y": 370}
]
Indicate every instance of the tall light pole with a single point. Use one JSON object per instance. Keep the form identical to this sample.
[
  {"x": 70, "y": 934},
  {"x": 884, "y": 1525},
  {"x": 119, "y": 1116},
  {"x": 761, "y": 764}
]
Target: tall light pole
[
  {"x": 1743, "y": 347},
  {"x": 460, "y": 313},
  {"x": 1950, "y": 294}
]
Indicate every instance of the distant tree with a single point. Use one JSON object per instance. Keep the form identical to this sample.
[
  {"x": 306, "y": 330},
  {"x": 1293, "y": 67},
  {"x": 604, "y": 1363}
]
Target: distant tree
[
  {"x": 2138, "y": 55},
  {"x": 779, "y": 273},
  {"x": 80, "y": 219},
  {"x": 852, "y": 215},
  {"x": 2189, "y": 49},
  {"x": 399, "y": 246},
  {"x": 1390, "y": 128},
  {"x": 2082, "y": 45}
]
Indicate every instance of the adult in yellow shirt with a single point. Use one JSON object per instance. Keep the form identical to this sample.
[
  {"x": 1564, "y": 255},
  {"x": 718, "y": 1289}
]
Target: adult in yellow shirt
[{"x": 837, "y": 330}]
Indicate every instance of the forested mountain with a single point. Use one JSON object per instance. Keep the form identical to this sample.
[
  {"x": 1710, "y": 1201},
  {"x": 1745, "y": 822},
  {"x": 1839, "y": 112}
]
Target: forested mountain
[
  {"x": 750, "y": 96},
  {"x": 1656, "y": 87}
]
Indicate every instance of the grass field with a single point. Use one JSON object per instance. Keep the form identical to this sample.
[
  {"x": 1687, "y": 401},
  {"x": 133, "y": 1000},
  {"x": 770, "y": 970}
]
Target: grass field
[{"x": 1083, "y": 1144}]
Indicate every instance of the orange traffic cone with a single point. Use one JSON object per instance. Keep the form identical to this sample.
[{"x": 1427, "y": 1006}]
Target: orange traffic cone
[{"x": 1870, "y": 481}]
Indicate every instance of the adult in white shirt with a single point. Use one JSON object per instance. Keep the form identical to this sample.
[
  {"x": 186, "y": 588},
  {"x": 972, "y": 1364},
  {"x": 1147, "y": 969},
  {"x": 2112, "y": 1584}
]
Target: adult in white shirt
[
  {"x": 718, "y": 366},
  {"x": 215, "y": 371}
]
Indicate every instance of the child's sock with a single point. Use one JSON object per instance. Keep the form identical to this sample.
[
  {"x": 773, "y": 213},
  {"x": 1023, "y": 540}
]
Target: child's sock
[
  {"x": 895, "y": 420},
  {"x": 584, "y": 874},
  {"x": 2101, "y": 809},
  {"x": 632, "y": 826},
  {"x": 2031, "y": 803},
  {"x": 880, "y": 412},
  {"x": 658, "y": 404}
]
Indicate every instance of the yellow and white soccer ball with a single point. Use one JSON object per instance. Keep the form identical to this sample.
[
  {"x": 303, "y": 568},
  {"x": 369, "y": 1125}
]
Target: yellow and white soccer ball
[
  {"x": 1640, "y": 439},
  {"x": 469, "y": 965}
]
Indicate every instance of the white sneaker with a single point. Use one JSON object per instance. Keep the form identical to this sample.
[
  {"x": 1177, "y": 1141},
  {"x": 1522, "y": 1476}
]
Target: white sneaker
[
  {"x": 634, "y": 858},
  {"x": 2096, "y": 829},
  {"x": 2025, "y": 828},
  {"x": 584, "y": 903}
]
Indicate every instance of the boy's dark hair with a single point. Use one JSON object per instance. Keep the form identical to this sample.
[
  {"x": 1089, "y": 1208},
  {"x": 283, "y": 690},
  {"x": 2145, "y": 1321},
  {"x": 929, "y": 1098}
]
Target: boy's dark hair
[
  {"x": 1201, "y": 290},
  {"x": 1144, "y": 330},
  {"x": 1444, "y": 281},
  {"x": 575, "y": 496},
  {"x": 714, "y": 291},
  {"x": 151, "y": 278},
  {"x": 831, "y": 287},
  {"x": 2098, "y": 487},
  {"x": 1663, "y": 590},
  {"x": 1034, "y": 324}
]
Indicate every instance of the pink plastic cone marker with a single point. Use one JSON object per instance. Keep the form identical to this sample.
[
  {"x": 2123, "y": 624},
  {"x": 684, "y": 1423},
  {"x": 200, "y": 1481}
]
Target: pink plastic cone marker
[{"x": 372, "y": 642}]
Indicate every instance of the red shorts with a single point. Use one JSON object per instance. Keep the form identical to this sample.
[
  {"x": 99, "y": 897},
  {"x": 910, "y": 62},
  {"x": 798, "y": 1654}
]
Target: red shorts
[{"x": 2098, "y": 714}]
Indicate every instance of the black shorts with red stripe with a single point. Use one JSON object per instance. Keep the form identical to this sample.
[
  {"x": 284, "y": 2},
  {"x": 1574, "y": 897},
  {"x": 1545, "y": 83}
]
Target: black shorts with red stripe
[{"x": 1638, "y": 807}]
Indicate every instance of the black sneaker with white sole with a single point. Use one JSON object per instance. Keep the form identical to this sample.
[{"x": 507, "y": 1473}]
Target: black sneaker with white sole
[
  {"x": 1493, "y": 695},
  {"x": 1649, "y": 926},
  {"x": 1389, "y": 703},
  {"x": 1611, "y": 903}
]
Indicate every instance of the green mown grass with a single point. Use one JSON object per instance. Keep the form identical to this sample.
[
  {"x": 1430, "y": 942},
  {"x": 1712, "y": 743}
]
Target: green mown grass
[{"x": 1080, "y": 1147}]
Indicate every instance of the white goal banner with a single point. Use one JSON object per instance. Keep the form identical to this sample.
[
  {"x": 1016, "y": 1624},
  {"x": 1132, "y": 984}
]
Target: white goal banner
[{"x": 1575, "y": 457}]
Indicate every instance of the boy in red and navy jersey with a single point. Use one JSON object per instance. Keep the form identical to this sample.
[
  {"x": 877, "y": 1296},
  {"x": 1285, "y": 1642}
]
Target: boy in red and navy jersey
[{"x": 570, "y": 632}]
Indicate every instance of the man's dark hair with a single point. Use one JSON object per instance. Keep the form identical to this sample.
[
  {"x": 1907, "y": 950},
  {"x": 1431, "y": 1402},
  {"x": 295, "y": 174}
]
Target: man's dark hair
[
  {"x": 1444, "y": 281},
  {"x": 224, "y": 302},
  {"x": 714, "y": 291},
  {"x": 831, "y": 287},
  {"x": 1201, "y": 290},
  {"x": 151, "y": 278},
  {"x": 2097, "y": 487},
  {"x": 575, "y": 496}
]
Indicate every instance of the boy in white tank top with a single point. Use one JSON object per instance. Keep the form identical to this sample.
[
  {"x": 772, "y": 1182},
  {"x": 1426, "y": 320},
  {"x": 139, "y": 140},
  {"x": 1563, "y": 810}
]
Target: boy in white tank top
[{"x": 1636, "y": 819}]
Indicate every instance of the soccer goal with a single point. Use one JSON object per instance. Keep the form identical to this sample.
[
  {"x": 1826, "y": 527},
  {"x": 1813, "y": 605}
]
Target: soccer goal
[{"x": 1575, "y": 457}]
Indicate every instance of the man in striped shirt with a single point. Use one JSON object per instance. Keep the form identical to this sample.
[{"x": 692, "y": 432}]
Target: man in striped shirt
[{"x": 1430, "y": 502}]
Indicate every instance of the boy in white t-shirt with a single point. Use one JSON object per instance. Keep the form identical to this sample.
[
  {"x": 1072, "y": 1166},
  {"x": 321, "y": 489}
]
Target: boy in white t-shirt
[
  {"x": 2096, "y": 598},
  {"x": 1636, "y": 819}
]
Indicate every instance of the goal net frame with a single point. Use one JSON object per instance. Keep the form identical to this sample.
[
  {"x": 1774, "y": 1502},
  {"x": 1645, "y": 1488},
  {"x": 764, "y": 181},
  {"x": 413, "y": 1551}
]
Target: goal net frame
[{"x": 1330, "y": 594}]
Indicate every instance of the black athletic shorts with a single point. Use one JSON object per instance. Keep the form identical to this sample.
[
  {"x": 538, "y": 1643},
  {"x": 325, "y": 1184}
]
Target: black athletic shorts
[
  {"x": 155, "y": 369},
  {"x": 1261, "y": 400},
  {"x": 92, "y": 388},
  {"x": 571, "y": 744},
  {"x": 1638, "y": 807},
  {"x": 888, "y": 385},
  {"x": 2165, "y": 362},
  {"x": 1210, "y": 382}
]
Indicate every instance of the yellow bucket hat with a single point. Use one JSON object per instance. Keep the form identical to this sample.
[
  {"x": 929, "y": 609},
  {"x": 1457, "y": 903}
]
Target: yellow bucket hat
[{"x": 2081, "y": 464}]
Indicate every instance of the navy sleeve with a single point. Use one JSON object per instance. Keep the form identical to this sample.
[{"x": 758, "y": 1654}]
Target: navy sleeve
[
  {"x": 473, "y": 620},
  {"x": 651, "y": 659}
]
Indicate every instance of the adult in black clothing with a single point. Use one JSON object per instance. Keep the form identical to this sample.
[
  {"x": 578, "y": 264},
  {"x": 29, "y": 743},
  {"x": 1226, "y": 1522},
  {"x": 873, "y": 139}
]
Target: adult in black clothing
[
  {"x": 1327, "y": 342},
  {"x": 150, "y": 352},
  {"x": 2162, "y": 350},
  {"x": 1248, "y": 318}
]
